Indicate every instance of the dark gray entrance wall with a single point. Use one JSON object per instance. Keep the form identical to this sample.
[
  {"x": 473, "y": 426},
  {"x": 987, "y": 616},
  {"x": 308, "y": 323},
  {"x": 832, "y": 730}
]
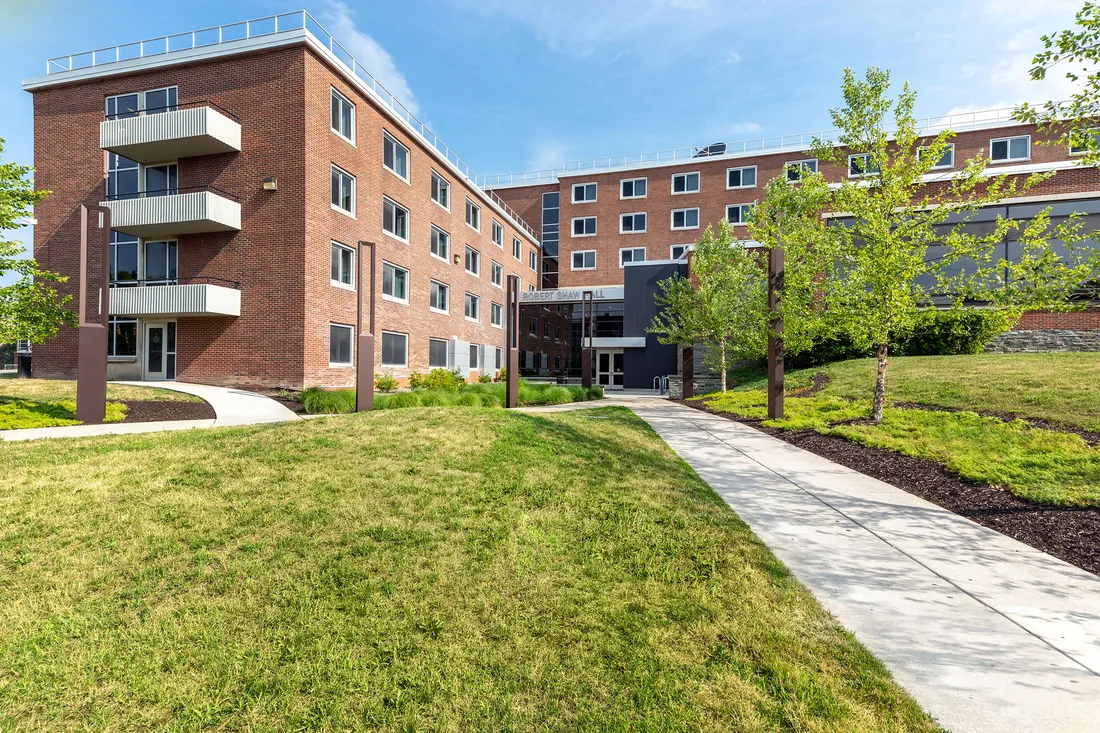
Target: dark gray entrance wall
[{"x": 641, "y": 286}]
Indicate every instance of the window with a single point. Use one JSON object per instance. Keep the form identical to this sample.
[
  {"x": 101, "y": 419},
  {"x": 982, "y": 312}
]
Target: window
[
  {"x": 947, "y": 160},
  {"x": 441, "y": 243},
  {"x": 437, "y": 353},
  {"x": 496, "y": 315},
  {"x": 584, "y": 226},
  {"x": 162, "y": 180},
  {"x": 797, "y": 169},
  {"x": 395, "y": 283},
  {"x": 395, "y": 219},
  {"x": 124, "y": 259},
  {"x": 123, "y": 105},
  {"x": 685, "y": 183},
  {"x": 741, "y": 177},
  {"x": 632, "y": 223},
  {"x": 395, "y": 349},
  {"x": 160, "y": 263},
  {"x": 123, "y": 176},
  {"x": 475, "y": 352},
  {"x": 339, "y": 344},
  {"x": 631, "y": 254},
  {"x": 584, "y": 193},
  {"x": 343, "y": 266},
  {"x": 533, "y": 326},
  {"x": 499, "y": 359},
  {"x": 437, "y": 297},
  {"x": 685, "y": 218},
  {"x": 584, "y": 260},
  {"x": 152, "y": 102},
  {"x": 343, "y": 117},
  {"x": 861, "y": 165},
  {"x": 677, "y": 251},
  {"x": 395, "y": 157},
  {"x": 517, "y": 248},
  {"x": 1089, "y": 140},
  {"x": 532, "y": 261},
  {"x": 158, "y": 101},
  {"x": 739, "y": 213},
  {"x": 473, "y": 307},
  {"x": 497, "y": 274},
  {"x": 441, "y": 191},
  {"x": 546, "y": 329},
  {"x": 473, "y": 261},
  {"x": 343, "y": 191},
  {"x": 632, "y": 188},
  {"x": 473, "y": 215},
  {"x": 1010, "y": 148},
  {"x": 498, "y": 234},
  {"x": 122, "y": 336}
]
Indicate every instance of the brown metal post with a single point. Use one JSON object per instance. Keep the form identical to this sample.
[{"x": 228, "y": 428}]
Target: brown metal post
[
  {"x": 364, "y": 354},
  {"x": 587, "y": 315},
  {"x": 687, "y": 368},
  {"x": 511, "y": 343},
  {"x": 91, "y": 365},
  {"x": 775, "y": 334}
]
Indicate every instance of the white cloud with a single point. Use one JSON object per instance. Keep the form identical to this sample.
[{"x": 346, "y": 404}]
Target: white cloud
[
  {"x": 547, "y": 155},
  {"x": 744, "y": 128},
  {"x": 339, "y": 20}
]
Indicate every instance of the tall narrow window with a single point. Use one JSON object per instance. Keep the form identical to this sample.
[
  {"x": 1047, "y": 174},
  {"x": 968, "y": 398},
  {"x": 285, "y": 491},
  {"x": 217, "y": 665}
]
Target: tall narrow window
[
  {"x": 162, "y": 180},
  {"x": 395, "y": 156},
  {"x": 437, "y": 297},
  {"x": 497, "y": 273},
  {"x": 532, "y": 260},
  {"x": 441, "y": 243},
  {"x": 395, "y": 219},
  {"x": 160, "y": 263},
  {"x": 517, "y": 248},
  {"x": 498, "y": 234},
  {"x": 339, "y": 344},
  {"x": 123, "y": 176},
  {"x": 124, "y": 259},
  {"x": 395, "y": 283},
  {"x": 473, "y": 215},
  {"x": 441, "y": 191},
  {"x": 343, "y": 191},
  {"x": 343, "y": 266},
  {"x": 473, "y": 307},
  {"x": 437, "y": 353},
  {"x": 343, "y": 116},
  {"x": 496, "y": 315},
  {"x": 473, "y": 261}
]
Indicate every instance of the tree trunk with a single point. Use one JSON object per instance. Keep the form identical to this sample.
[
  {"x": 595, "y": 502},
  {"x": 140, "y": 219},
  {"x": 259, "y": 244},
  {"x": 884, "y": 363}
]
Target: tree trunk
[
  {"x": 880, "y": 385},
  {"x": 722, "y": 346}
]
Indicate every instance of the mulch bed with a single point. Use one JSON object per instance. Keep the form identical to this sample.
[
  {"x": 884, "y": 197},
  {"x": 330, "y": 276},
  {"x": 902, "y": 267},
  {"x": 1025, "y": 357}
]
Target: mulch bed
[
  {"x": 158, "y": 410},
  {"x": 1069, "y": 534}
]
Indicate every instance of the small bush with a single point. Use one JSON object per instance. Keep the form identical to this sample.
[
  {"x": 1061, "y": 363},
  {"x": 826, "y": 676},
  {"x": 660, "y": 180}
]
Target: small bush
[
  {"x": 385, "y": 382},
  {"x": 580, "y": 394},
  {"x": 595, "y": 392},
  {"x": 416, "y": 380},
  {"x": 450, "y": 381},
  {"x": 485, "y": 378},
  {"x": 319, "y": 401},
  {"x": 468, "y": 399},
  {"x": 432, "y": 398},
  {"x": 503, "y": 376}
]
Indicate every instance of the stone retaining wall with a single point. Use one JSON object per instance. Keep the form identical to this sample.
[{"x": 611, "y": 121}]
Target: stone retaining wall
[{"x": 1044, "y": 340}]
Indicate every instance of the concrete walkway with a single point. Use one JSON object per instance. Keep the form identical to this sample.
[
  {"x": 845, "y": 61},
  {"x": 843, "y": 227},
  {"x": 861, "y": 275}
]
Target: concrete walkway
[
  {"x": 985, "y": 632},
  {"x": 231, "y": 407}
]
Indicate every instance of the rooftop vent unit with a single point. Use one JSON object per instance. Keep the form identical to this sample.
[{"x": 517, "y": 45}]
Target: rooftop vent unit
[{"x": 713, "y": 149}]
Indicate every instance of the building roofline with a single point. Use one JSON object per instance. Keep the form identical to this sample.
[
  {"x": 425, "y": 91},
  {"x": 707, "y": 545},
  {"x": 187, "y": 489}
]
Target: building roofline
[{"x": 303, "y": 29}]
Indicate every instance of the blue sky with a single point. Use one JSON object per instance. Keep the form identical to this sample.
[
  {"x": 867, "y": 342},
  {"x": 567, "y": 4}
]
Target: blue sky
[{"x": 515, "y": 85}]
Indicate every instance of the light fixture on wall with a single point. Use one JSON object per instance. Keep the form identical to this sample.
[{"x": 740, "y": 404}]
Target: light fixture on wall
[
  {"x": 271, "y": 183},
  {"x": 456, "y": 259}
]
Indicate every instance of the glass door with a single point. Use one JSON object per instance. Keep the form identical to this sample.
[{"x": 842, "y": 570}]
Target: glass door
[
  {"x": 617, "y": 370},
  {"x": 603, "y": 368},
  {"x": 160, "y": 351}
]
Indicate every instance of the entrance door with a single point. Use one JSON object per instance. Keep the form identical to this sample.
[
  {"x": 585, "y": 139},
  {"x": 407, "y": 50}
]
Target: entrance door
[
  {"x": 160, "y": 351},
  {"x": 609, "y": 369}
]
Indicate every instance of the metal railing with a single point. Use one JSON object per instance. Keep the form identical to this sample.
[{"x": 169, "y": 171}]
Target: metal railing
[
  {"x": 154, "y": 193},
  {"x": 172, "y": 108},
  {"x": 774, "y": 144},
  {"x": 200, "y": 280},
  {"x": 273, "y": 25}
]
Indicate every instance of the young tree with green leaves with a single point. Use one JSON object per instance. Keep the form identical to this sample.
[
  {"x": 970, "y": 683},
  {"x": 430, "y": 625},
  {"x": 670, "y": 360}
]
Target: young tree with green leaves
[
  {"x": 901, "y": 242},
  {"x": 723, "y": 303},
  {"x": 29, "y": 309}
]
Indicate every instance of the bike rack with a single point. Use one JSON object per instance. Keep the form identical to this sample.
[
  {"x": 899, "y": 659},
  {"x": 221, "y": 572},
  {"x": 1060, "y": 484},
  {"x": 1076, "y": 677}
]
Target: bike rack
[{"x": 660, "y": 385}]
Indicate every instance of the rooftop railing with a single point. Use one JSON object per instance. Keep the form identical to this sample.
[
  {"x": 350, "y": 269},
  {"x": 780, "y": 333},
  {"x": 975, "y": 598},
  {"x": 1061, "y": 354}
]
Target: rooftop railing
[
  {"x": 274, "y": 25},
  {"x": 775, "y": 144}
]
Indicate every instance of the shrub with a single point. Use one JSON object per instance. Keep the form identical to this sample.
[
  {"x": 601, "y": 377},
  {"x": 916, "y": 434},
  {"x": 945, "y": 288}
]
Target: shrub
[
  {"x": 416, "y": 380},
  {"x": 595, "y": 392},
  {"x": 503, "y": 376},
  {"x": 580, "y": 394},
  {"x": 450, "y": 381},
  {"x": 485, "y": 378},
  {"x": 319, "y": 401},
  {"x": 385, "y": 382}
]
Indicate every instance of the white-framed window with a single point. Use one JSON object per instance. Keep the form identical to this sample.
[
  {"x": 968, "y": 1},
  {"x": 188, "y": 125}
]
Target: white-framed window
[
  {"x": 1005, "y": 149},
  {"x": 860, "y": 165},
  {"x": 499, "y": 359},
  {"x": 583, "y": 260},
  {"x": 947, "y": 160},
  {"x": 517, "y": 248},
  {"x": 497, "y": 274},
  {"x": 739, "y": 213},
  {"x": 161, "y": 179},
  {"x": 473, "y": 261},
  {"x": 395, "y": 283},
  {"x": 339, "y": 344},
  {"x": 677, "y": 251},
  {"x": 685, "y": 218},
  {"x": 632, "y": 188},
  {"x": 531, "y": 288},
  {"x": 342, "y": 273},
  {"x": 631, "y": 254},
  {"x": 151, "y": 102},
  {"x": 395, "y": 349},
  {"x": 498, "y": 234},
  {"x": 496, "y": 315},
  {"x": 584, "y": 226},
  {"x": 584, "y": 193},
  {"x": 343, "y": 116},
  {"x": 685, "y": 183},
  {"x": 797, "y": 169},
  {"x": 532, "y": 326},
  {"x": 475, "y": 353},
  {"x": 473, "y": 307},
  {"x": 473, "y": 215},
  {"x": 438, "y": 353},
  {"x": 1093, "y": 136},
  {"x": 743, "y": 177},
  {"x": 438, "y": 297},
  {"x": 343, "y": 191},
  {"x": 441, "y": 244},
  {"x": 395, "y": 157},
  {"x": 632, "y": 223},
  {"x": 395, "y": 219},
  {"x": 532, "y": 260},
  {"x": 441, "y": 191}
]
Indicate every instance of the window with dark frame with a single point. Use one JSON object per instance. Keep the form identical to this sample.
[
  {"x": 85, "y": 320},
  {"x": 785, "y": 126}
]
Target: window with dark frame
[{"x": 339, "y": 344}]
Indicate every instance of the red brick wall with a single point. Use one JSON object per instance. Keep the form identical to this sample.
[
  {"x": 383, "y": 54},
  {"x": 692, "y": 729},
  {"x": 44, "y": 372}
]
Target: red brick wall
[{"x": 1086, "y": 320}]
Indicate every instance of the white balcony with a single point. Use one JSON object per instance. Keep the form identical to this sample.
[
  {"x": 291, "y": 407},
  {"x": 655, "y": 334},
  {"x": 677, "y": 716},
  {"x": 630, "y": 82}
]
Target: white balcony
[
  {"x": 195, "y": 299},
  {"x": 180, "y": 133},
  {"x": 189, "y": 212}
]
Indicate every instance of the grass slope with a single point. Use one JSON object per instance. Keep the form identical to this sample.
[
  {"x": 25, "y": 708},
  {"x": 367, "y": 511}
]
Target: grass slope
[
  {"x": 44, "y": 403},
  {"x": 426, "y": 569}
]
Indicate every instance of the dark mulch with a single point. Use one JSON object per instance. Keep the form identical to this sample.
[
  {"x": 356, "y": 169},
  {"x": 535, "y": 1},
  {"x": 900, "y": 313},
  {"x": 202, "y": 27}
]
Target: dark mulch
[
  {"x": 158, "y": 410},
  {"x": 1070, "y": 534},
  {"x": 289, "y": 399}
]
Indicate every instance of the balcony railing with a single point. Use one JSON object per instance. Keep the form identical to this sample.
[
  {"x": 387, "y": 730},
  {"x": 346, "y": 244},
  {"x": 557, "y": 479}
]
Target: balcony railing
[
  {"x": 155, "y": 193},
  {"x": 200, "y": 280},
  {"x": 171, "y": 133},
  {"x": 272, "y": 26},
  {"x": 171, "y": 108},
  {"x": 182, "y": 210},
  {"x": 198, "y": 296}
]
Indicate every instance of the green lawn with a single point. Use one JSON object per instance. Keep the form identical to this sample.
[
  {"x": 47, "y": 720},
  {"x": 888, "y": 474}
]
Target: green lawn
[
  {"x": 43, "y": 403},
  {"x": 423, "y": 569}
]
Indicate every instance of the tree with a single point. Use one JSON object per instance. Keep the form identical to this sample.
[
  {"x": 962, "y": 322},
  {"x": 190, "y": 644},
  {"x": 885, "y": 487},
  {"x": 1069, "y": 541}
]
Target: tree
[
  {"x": 724, "y": 303},
  {"x": 901, "y": 241},
  {"x": 29, "y": 309}
]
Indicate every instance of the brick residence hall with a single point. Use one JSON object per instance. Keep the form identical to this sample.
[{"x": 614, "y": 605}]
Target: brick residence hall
[{"x": 244, "y": 164}]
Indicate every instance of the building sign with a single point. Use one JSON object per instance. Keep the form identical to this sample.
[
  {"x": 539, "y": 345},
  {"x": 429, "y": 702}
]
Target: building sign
[{"x": 572, "y": 295}]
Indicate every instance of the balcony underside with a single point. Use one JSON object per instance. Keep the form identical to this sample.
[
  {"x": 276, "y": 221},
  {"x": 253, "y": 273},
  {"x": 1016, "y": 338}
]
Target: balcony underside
[
  {"x": 183, "y": 133},
  {"x": 199, "y": 299},
  {"x": 183, "y": 213}
]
